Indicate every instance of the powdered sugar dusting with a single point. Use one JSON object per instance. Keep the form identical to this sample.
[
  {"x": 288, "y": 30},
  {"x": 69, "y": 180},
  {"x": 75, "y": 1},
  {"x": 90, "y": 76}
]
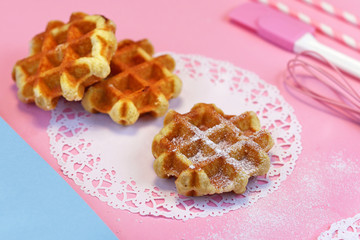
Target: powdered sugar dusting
[
  {"x": 338, "y": 163},
  {"x": 224, "y": 147},
  {"x": 199, "y": 157}
]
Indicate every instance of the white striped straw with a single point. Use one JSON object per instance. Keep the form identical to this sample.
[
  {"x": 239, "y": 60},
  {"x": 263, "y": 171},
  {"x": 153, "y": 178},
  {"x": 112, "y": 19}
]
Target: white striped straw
[
  {"x": 319, "y": 26},
  {"x": 334, "y": 11}
]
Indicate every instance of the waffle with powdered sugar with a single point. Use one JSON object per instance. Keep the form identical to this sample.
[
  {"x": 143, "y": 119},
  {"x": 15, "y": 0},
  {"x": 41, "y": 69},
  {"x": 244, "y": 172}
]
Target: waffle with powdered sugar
[{"x": 210, "y": 152}]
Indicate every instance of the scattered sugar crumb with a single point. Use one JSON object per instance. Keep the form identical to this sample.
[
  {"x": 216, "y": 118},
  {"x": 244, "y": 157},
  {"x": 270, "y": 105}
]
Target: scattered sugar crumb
[{"x": 344, "y": 165}]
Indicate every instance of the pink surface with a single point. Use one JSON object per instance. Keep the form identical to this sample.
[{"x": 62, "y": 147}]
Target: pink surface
[{"x": 324, "y": 186}]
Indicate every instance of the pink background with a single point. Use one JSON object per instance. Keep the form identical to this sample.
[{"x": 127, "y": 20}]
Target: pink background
[{"x": 324, "y": 186}]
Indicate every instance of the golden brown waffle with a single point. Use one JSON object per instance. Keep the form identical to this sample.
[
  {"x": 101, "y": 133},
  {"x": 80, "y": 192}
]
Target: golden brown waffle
[
  {"x": 138, "y": 84},
  {"x": 65, "y": 59},
  {"x": 210, "y": 152}
]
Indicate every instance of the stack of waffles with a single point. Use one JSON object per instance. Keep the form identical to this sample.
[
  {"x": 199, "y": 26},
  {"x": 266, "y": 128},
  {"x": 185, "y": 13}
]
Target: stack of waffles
[{"x": 81, "y": 60}]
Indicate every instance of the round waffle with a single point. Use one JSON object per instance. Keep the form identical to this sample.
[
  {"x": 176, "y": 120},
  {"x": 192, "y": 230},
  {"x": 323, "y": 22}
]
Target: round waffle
[
  {"x": 210, "y": 152},
  {"x": 138, "y": 84}
]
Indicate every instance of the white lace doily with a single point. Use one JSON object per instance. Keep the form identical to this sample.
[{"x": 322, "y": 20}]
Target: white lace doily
[
  {"x": 345, "y": 229},
  {"x": 114, "y": 163}
]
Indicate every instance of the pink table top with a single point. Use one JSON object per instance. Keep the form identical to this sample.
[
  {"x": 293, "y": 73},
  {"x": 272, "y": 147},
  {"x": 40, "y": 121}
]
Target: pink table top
[{"x": 324, "y": 186}]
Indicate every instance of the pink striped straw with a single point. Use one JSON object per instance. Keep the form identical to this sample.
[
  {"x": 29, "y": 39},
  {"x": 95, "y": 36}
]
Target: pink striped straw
[
  {"x": 333, "y": 11},
  {"x": 347, "y": 104},
  {"x": 319, "y": 26}
]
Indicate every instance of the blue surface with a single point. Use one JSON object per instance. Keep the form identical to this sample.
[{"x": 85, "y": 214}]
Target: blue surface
[{"x": 35, "y": 202}]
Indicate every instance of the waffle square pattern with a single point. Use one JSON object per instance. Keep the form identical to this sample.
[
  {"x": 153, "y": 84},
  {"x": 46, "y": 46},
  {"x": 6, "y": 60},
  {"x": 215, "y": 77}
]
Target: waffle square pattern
[
  {"x": 138, "y": 84},
  {"x": 210, "y": 152},
  {"x": 65, "y": 59}
]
